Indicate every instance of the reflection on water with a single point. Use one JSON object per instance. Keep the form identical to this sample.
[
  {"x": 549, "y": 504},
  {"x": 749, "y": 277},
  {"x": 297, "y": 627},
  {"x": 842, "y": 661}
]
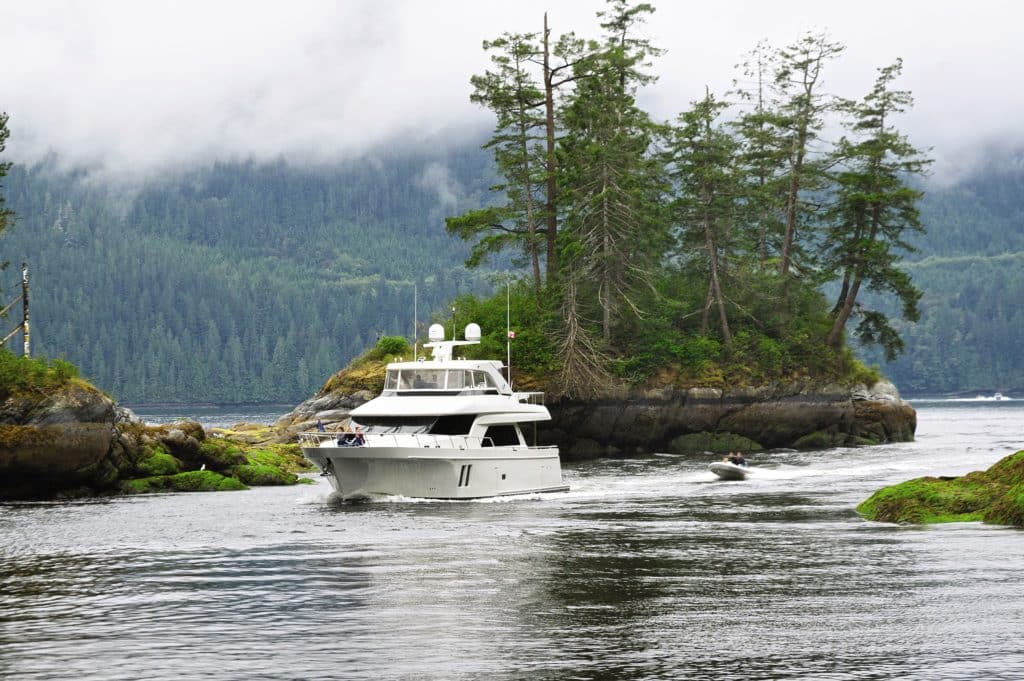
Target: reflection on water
[{"x": 646, "y": 569}]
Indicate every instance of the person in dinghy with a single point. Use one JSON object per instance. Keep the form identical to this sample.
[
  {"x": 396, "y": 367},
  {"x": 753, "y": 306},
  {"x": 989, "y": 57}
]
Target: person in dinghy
[{"x": 736, "y": 458}]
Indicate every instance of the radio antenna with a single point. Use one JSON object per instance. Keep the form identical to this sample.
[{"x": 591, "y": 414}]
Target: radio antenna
[{"x": 508, "y": 329}]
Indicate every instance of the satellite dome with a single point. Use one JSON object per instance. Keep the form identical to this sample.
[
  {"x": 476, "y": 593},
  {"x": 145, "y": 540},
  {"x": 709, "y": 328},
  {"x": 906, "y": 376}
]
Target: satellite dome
[
  {"x": 436, "y": 332},
  {"x": 472, "y": 332}
]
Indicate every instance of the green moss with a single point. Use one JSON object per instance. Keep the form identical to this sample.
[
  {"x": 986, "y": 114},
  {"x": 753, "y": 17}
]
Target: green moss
[
  {"x": 158, "y": 462},
  {"x": 1008, "y": 509},
  {"x": 994, "y": 496},
  {"x": 190, "y": 481},
  {"x": 264, "y": 475},
  {"x": 20, "y": 374},
  {"x": 819, "y": 439},
  {"x": 1009, "y": 470},
  {"x": 928, "y": 500},
  {"x": 221, "y": 454},
  {"x": 287, "y": 457}
]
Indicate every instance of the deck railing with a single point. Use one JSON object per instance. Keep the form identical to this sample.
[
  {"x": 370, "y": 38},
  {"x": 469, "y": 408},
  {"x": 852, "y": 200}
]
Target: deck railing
[
  {"x": 421, "y": 440},
  {"x": 530, "y": 398},
  {"x": 424, "y": 440}
]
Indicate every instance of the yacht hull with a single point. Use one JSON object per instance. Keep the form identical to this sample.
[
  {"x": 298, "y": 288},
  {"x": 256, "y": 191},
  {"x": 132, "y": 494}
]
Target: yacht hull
[{"x": 438, "y": 473}]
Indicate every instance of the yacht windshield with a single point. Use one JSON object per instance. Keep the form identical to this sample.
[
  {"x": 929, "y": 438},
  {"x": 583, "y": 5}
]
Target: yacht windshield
[
  {"x": 453, "y": 380},
  {"x": 465, "y": 379},
  {"x": 421, "y": 379}
]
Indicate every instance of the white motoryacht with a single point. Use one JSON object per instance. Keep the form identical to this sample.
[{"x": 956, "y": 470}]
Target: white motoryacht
[{"x": 443, "y": 428}]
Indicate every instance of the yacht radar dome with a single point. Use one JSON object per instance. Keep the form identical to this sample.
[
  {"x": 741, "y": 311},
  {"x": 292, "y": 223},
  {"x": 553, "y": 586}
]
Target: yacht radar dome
[
  {"x": 472, "y": 332},
  {"x": 436, "y": 332}
]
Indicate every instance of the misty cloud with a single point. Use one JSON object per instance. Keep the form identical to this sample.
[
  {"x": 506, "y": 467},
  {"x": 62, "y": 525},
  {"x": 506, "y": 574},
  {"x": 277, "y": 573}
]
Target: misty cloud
[{"x": 134, "y": 86}]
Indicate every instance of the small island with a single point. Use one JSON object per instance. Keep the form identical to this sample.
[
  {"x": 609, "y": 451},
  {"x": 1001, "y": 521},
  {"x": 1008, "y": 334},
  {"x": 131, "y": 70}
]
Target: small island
[{"x": 673, "y": 411}]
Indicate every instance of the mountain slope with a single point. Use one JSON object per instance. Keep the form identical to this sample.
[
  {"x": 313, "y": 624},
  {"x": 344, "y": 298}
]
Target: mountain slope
[{"x": 237, "y": 282}]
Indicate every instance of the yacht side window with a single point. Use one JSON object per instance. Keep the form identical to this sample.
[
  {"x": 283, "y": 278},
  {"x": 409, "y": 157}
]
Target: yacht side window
[
  {"x": 481, "y": 380},
  {"x": 456, "y": 379},
  {"x": 405, "y": 380},
  {"x": 391, "y": 381}
]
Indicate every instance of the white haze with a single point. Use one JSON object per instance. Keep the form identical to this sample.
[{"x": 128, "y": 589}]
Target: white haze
[{"x": 133, "y": 87}]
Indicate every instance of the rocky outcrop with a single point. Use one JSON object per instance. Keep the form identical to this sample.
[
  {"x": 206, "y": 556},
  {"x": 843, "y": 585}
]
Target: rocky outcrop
[
  {"x": 802, "y": 416},
  {"x": 331, "y": 409},
  {"x": 993, "y": 496},
  {"x": 58, "y": 440},
  {"x": 74, "y": 441}
]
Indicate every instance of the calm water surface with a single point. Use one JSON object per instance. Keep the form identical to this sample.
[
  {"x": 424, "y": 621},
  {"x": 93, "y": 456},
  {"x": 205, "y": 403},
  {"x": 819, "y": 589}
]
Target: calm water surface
[{"x": 646, "y": 569}]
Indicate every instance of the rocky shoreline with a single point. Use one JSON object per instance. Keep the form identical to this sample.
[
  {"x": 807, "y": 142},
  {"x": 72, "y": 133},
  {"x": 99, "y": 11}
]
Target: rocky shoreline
[
  {"x": 798, "y": 416},
  {"x": 75, "y": 441}
]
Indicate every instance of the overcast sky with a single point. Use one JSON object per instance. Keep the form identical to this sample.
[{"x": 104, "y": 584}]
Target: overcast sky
[{"x": 145, "y": 85}]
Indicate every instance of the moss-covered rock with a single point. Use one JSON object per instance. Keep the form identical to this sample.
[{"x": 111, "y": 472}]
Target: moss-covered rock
[
  {"x": 695, "y": 443},
  {"x": 1008, "y": 509},
  {"x": 823, "y": 439},
  {"x": 993, "y": 496},
  {"x": 159, "y": 462},
  {"x": 287, "y": 457},
  {"x": 189, "y": 481},
  {"x": 221, "y": 454},
  {"x": 262, "y": 475}
]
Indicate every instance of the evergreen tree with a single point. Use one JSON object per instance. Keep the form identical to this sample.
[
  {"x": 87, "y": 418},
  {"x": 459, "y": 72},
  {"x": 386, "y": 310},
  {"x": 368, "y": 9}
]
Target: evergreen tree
[
  {"x": 708, "y": 207},
  {"x": 875, "y": 210},
  {"x": 613, "y": 187},
  {"x": 798, "y": 120},
  {"x": 523, "y": 93},
  {"x": 510, "y": 91},
  {"x": 762, "y": 154}
]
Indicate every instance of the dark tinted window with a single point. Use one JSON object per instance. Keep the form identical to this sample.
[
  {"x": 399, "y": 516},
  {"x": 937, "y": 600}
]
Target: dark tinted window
[
  {"x": 454, "y": 424},
  {"x": 501, "y": 436}
]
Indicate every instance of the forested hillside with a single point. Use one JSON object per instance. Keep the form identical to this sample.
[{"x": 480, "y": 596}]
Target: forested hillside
[
  {"x": 236, "y": 282},
  {"x": 243, "y": 282},
  {"x": 970, "y": 266}
]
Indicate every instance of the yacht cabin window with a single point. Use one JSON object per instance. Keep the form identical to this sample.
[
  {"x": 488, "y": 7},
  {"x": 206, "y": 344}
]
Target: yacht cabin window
[{"x": 439, "y": 379}]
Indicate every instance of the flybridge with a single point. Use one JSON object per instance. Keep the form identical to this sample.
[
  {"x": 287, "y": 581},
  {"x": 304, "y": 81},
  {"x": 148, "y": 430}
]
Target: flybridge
[{"x": 445, "y": 375}]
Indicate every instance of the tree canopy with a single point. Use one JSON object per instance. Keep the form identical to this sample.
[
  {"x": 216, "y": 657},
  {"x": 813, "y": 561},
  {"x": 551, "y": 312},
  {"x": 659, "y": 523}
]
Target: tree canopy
[{"x": 741, "y": 208}]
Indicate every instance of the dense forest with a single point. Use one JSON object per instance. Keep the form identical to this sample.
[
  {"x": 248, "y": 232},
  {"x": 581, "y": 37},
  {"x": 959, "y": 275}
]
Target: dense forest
[
  {"x": 236, "y": 282},
  {"x": 151, "y": 315},
  {"x": 970, "y": 266},
  {"x": 733, "y": 235}
]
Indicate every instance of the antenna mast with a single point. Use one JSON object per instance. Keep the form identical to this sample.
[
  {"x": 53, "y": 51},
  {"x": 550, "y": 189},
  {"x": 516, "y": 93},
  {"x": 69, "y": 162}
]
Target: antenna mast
[
  {"x": 508, "y": 329},
  {"x": 24, "y": 307}
]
